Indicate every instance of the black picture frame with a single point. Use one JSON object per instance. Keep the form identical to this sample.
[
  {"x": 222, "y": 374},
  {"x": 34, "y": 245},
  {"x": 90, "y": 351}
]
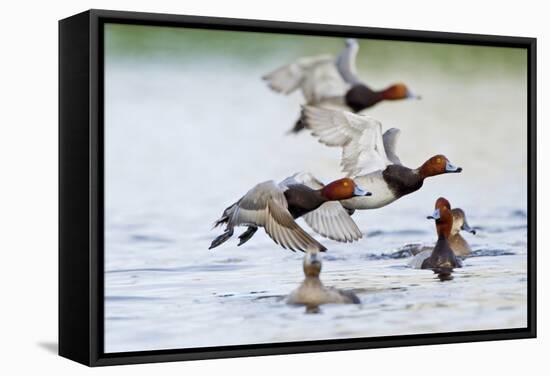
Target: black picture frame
[{"x": 81, "y": 187}]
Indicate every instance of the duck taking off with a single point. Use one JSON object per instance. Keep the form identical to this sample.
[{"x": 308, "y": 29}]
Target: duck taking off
[
  {"x": 312, "y": 293},
  {"x": 370, "y": 158},
  {"x": 276, "y": 206},
  {"x": 331, "y": 82}
]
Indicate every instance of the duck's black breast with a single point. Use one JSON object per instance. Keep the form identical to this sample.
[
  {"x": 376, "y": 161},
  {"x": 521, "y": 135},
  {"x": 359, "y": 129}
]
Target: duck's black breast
[
  {"x": 302, "y": 199},
  {"x": 402, "y": 180},
  {"x": 360, "y": 97},
  {"x": 442, "y": 258}
]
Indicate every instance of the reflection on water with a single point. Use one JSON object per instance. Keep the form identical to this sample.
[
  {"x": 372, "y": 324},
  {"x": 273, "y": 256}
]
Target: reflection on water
[{"x": 190, "y": 128}]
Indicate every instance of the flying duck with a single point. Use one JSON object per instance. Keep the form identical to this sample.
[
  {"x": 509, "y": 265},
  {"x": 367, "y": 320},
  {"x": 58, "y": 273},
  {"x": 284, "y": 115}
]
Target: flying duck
[
  {"x": 370, "y": 158},
  {"x": 326, "y": 81},
  {"x": 276, "y": 206}
]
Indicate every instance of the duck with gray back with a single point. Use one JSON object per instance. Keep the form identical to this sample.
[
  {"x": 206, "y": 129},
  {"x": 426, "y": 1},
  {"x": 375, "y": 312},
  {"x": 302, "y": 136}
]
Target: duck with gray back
[
  {"x": 331, "y": 82},
  {"x": 276, "y": 206},
  {"x": 369, "y": 157},
  {"x": 312, "y": 292}
]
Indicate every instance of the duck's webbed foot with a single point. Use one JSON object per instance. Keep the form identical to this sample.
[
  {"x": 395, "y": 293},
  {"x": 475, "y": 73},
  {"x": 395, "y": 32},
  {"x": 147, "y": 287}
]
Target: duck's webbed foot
[
  {"x": 222, "y": 238},
  {"x": 245, "y": 236}
]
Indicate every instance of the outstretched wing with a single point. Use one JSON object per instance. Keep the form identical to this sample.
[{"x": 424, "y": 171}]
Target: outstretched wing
[
  {"x": 290, "y": 77},
  {"x": 265, "y": 205},
  {"x": 317, "y": 77},
  {"x": 390, "y": 140},
  {"x": 359, "y": 136},
  {"x": 345, "y": 62},
  {"x": 331, "y": 219},
  {"x": 304, "y": 178}
]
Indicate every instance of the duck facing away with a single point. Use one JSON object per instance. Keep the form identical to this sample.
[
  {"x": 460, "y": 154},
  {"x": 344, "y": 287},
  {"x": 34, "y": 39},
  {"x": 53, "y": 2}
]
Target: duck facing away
[
  {"x": 331, "y": 82},
  {"x": 370, "y": 158},
  {"x": 312, "y": 293},
  {"x": 442, "y": 260},
  {"x": 276, "y": 206}
]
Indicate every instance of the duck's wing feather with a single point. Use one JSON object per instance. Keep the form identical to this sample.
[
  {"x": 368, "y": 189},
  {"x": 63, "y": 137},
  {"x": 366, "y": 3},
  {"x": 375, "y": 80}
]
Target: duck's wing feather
[
  {"x": 331, "y": 219},
  {"x": 265, "y": 205},
  {"x": 290, "y": 77},
  {"x": 345, "y": 62},
  {"x": 304, "y": 178},
  {"x": 317, "y": 77},
  {"x": 359, "y": 136},
  {"x": 391, "y": 136}
]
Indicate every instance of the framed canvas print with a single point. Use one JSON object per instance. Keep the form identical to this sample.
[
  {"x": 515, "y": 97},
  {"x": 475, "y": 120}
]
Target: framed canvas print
[{"x": 239, "y": 187}]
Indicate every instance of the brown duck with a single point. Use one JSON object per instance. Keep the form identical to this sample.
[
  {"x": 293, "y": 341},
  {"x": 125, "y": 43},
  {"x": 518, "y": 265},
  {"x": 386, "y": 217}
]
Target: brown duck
[{"x": 312, "y": 293}]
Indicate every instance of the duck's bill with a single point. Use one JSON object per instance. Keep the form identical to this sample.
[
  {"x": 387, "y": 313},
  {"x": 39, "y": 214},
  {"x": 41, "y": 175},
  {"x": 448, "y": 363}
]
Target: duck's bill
[
  {"x": 467, "y": 228},
  {"x": 313, "y": 258},
  {"x": 411, "y": 95},
  {"x": 361, "y": 192},
  {"x": 452, "y": 168},
  {"x": 436, "y": 215}
]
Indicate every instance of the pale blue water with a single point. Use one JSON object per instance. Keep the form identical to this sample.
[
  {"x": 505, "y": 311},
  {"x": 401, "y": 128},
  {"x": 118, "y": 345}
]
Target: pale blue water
[{"x": 186, "y": 137}]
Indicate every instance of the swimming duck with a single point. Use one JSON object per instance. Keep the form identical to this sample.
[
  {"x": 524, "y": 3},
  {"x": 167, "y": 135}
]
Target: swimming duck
[
  {"x": 312, "y": 293},
  {"x": 458, "y": 244},
  {"x": 276, "y": 206},
  {"x": 331, "y": 82},
  {"x": 370, "y": 158},
  {"x": 442, "y": 260}
]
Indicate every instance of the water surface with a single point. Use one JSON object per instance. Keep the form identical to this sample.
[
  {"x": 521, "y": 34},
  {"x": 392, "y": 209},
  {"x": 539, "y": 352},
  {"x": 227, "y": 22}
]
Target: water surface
[{"x": 190, "y": 127}]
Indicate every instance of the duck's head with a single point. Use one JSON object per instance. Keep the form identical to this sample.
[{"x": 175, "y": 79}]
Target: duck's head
[
  {"x": 399, "y": 91},
  {"x": 312, "y": 264},
  {"x": 437, "y": 165},
  {"x": 460, "y": 222},
  {"x": 342, "y": 189},
  {"x": 442, "y": 216}
]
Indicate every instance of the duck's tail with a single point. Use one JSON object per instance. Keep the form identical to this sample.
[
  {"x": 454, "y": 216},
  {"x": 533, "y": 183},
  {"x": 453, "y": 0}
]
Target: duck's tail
[
  {"x": 299, "y": 125},
  {"x": 226, "y": 216}
]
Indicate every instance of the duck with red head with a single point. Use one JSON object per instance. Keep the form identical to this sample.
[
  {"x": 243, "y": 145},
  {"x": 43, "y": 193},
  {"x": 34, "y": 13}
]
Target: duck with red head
[
  {"x": 361, "y": 97},
  {"x": 369, "y": 156},
  {"x": 326, "y": 81},
  {"x": 276, "y": 206},
  {"x": 442, "y": 260}
]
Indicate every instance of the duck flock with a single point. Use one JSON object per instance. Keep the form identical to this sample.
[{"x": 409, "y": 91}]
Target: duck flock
[{"x": 374, "y": 177}]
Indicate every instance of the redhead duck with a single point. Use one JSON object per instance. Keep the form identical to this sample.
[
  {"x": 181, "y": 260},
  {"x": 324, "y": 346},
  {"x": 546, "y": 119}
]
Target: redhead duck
[
  {"x": 442, "y": 260},
  {"x": 276, "y": 206},
  {"x": 370, "y": 158},
  {"x": 312, "y": 293},
  {"x": 458, "y": 244},
  {"x": 331, "y": 82}
]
